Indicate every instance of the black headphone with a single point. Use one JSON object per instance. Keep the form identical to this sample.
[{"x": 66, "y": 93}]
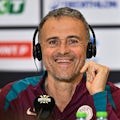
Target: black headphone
[{"x": 91, "y": 47}]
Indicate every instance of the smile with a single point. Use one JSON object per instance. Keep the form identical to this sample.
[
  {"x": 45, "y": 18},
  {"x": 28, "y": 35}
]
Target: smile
[{"x": 62, "y": 61}]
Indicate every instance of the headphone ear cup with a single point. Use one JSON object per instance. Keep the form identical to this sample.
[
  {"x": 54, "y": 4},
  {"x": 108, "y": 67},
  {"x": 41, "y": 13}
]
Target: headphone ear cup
[
  {"x": 94, "y": 50},
  {"x": 89, "y": 50},
  {"x": 37, "y": 52}
]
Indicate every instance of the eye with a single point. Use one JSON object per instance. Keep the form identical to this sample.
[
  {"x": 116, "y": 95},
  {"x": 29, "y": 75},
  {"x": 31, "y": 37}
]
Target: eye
[
  {"x": 52, "y": 42},
  {"x": 73, "y": 41}
]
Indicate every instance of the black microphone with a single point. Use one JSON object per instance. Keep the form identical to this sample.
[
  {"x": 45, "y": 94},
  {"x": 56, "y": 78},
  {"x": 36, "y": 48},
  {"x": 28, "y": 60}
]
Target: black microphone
[{"x": 44, "y": 105}]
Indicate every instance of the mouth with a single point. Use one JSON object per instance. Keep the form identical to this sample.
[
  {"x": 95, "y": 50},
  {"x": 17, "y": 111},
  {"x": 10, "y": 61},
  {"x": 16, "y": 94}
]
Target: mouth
[{"x": 63, "y": 60}]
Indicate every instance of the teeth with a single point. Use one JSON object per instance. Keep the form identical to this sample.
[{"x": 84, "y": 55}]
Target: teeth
[{"x": 63, "y": 61}]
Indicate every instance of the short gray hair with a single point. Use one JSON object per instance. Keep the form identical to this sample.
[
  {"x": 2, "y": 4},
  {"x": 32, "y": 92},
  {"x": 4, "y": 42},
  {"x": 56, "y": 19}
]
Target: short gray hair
[{"x": 65, "y": 11}]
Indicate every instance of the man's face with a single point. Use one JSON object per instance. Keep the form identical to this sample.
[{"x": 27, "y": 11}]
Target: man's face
[{"x": 63, "y": 43}]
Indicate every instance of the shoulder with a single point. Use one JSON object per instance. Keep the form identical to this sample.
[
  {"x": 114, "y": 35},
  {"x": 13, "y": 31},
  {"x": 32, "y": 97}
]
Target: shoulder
[
  {"x": 23, "y": 83},
  {"x": 113, "y": 93},
  {"x": 111, "y": 87},
  {"x": 12, "y": 90}
]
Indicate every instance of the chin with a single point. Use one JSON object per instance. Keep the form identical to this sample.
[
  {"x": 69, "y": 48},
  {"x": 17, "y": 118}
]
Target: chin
[{"x": 65, "y": 77}]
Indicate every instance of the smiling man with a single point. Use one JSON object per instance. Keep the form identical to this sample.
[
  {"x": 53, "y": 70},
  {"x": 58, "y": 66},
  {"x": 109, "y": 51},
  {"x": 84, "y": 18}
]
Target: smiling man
[
  {"x": 75, "y": 85},
  {"x": 63, "y": 42}
]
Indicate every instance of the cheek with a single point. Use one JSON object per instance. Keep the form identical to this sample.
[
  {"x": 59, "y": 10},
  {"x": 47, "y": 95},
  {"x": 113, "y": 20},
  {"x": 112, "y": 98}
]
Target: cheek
[
  {"x": 46, "y": 54},
  {"x": 79, "y": 53}
]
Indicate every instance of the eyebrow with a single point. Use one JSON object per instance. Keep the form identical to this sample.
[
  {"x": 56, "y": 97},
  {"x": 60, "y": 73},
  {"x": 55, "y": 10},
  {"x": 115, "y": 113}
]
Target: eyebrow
[
  {"x": 52, "y": 38},
  {"x": 74, "y": 36},
  {"x": 71, "y": 36}
]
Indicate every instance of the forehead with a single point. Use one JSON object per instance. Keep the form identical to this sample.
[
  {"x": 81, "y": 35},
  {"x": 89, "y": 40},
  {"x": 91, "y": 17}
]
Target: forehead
[
  {"x": 62, "y": 19},
  {"x": 63, "y": 23}
]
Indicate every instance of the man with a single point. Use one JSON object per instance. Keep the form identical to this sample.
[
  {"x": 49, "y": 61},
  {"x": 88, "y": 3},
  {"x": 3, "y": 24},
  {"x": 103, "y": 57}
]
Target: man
[{"x": 74, "y": 84}]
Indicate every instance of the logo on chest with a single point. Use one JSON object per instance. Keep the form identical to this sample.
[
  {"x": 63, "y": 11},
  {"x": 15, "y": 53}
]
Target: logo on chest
[{"x": 88, "y": 110}]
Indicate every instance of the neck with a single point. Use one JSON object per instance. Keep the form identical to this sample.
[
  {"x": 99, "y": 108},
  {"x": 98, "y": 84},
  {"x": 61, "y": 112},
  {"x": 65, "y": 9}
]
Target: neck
[{"x": 61, "y": 91}]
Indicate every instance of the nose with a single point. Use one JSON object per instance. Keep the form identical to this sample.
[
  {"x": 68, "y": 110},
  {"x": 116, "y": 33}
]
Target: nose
[{"x": 64, "y": 48}]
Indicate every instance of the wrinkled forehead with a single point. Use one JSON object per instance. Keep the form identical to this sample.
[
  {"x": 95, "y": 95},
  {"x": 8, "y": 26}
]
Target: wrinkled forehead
[{"x": 63, "y": 23}]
